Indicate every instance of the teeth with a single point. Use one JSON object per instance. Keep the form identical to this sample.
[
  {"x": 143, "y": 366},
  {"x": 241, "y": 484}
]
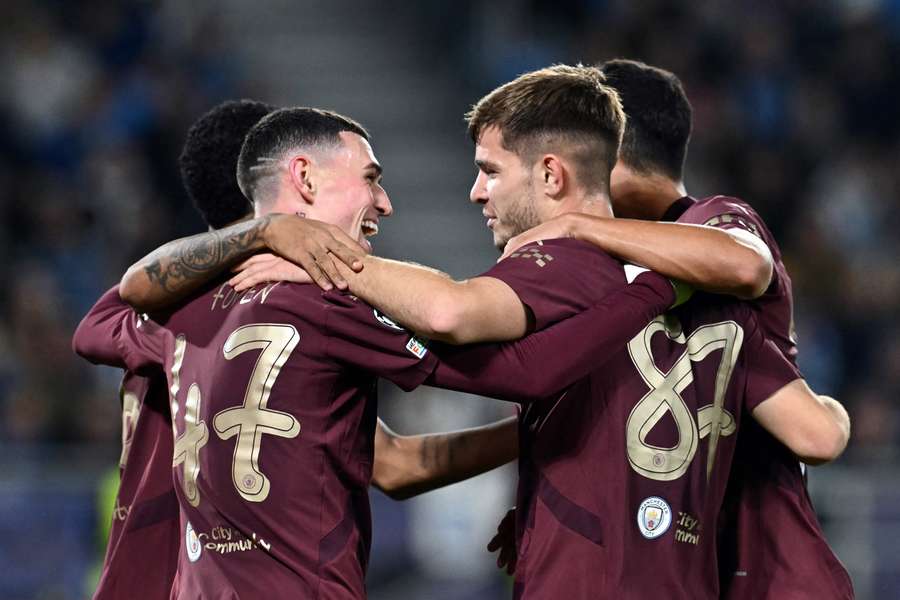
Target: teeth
[{"x": 369, "y": 227}]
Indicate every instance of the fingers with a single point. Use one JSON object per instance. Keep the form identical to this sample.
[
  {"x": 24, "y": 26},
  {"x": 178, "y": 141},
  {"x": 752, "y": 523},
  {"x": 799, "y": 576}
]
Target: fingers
[
  {"x": 327, "y": 265},
  {"x": 495, "y": 543},
  {"x": 514, "y": 244},
  {"x": 346, "y": 249},
  {"x": 255, "y": 260},
  {"x": 318, "y": 276}
]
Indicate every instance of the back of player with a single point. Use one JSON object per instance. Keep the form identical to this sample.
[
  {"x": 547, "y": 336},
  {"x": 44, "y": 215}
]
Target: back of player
[
  {"x": 273, "y": 397},
  {"x": 624, "y": 476},
  {"x": 773, "y": 545}
]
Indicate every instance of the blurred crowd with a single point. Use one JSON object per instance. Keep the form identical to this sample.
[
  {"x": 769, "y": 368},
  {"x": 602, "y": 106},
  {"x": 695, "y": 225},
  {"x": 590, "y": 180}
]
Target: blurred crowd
[
  {"x": 795, "y": 111},
  {"x": 97, "y": 99}
]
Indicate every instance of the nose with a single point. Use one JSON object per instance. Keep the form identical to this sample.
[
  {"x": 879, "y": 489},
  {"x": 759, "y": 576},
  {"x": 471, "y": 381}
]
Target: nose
[
  {"x": 478, "y": 193},
  {"x": 383, "y": 203}
]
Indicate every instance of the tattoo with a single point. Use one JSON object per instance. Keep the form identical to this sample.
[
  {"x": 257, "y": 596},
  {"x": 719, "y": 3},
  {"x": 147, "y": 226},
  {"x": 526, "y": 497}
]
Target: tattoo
[
  {"x": 182, "y": 265},
  {"x": 436, "y": 453}
]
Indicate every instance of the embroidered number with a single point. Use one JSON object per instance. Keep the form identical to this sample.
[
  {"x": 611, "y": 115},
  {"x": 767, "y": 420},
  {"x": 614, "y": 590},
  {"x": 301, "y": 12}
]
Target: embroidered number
[{"x": 664, "y": 396}]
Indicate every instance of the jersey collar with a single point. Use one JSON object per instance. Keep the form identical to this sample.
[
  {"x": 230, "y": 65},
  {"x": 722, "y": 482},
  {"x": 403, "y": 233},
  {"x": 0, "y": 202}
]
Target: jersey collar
[{"x": 678, "y": 208}]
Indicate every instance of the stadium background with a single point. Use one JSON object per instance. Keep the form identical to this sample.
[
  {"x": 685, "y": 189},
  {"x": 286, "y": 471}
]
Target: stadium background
[{"x": 796, "y": 110}]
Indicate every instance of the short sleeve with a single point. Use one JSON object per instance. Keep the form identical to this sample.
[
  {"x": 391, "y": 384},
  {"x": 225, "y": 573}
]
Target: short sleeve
[
  {"x": 557, "y": 279},
  {"x": 767, "y": 369},
  {"x": 142, "y": 343},
  {"x": 362, "y": 337},
  {"x": 94, "y": 339},
  {"x": 725, "y": 212}
]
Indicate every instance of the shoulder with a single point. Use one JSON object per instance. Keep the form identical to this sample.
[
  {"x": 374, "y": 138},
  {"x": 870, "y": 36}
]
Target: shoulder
[
  {"x": 561, "y": 256},
  {"x": 724, "y": 211}
]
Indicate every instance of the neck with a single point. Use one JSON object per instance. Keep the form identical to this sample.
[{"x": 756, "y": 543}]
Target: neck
[
  {"x": 646, "y": 197},
  {"x": 284, "y": 202},
  {"x": 597, "y": 205}
]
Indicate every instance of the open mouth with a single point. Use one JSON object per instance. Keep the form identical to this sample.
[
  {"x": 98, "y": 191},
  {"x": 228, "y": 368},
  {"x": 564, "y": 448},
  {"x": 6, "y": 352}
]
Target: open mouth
[{"x": 369, "y": 227}]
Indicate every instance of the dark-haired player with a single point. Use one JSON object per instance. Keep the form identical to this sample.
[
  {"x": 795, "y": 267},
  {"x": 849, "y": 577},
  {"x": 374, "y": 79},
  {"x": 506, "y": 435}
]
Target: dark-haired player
[
  {"x": 145, "y": 521},
  {"x": 772, "y": 544},
  {"x": 588, "y": 523}
]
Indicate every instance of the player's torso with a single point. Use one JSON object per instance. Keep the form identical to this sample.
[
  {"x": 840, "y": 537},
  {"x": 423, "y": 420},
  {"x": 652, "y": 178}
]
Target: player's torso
[
  {"x": 273, "y": 448},
  {"x": 624, "y": 475},
  {"x": 145, "y": 515},
  {"x": 774, "y": 546}
]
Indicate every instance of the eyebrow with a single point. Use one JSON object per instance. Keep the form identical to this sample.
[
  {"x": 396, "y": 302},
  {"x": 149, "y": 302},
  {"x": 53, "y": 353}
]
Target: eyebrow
[
  {"x": 374, "y": 165},
  {"x": 486, "y": 164}
]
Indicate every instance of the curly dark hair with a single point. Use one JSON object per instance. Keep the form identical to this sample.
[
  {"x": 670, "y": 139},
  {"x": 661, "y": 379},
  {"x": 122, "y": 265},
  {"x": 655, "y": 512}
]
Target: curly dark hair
[
  {"x": 208, "y": 161},
  {"x": 659, "y": 116}
]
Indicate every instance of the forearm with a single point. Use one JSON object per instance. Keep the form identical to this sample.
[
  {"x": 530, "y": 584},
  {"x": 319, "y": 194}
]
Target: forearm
[
  {"x": 175, "y": 270},
  {"x": 707, "y": 258},
  {"x": 532, "y": 368},
  {"x": 435, "y": 306},
  {"x": 406, "y": 466}
]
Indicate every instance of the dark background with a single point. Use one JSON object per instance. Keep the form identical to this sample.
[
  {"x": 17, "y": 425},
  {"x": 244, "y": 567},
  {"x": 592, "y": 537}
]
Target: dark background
[{"x": 795, "y": 110}]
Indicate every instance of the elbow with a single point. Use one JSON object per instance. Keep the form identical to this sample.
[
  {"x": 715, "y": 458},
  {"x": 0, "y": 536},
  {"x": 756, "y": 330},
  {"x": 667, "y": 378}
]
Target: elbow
[
  {"x": 752, "y": 276},
  {"x": 133, "y": 293},
  {"x": 823, "y": 447},
  {"x": 446, "y": 322},
  {"x": 80, "y": 339},
  {"x": 389, "y": 486}
]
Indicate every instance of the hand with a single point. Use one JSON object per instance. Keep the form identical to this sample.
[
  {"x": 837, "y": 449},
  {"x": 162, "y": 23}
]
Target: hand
[
  {"x": 314, "y": 246},
  {"x": 262, "y": 268},
  {"x": 562, "y": 226},
  {"x": 505, "y": 541}
]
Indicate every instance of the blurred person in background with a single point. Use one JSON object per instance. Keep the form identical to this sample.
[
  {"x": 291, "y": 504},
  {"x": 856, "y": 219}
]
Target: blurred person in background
[{"x": 772, "y": 543}]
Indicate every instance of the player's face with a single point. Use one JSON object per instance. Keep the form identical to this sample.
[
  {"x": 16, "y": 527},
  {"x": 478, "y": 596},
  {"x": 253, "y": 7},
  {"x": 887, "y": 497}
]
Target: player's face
[
  {"x": 504, "y": 188},
  {"x": 350, "y": 193}
]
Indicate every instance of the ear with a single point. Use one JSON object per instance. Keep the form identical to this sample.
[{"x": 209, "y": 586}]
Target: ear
[
  {"x": 553, "y": 174},
  {"x": 300, "y": 170}
]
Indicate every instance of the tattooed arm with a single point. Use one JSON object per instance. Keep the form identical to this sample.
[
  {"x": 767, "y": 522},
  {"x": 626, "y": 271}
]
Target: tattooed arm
[
  {"x": 175, "y": 270},
  {"x": 409, "y": 465}
]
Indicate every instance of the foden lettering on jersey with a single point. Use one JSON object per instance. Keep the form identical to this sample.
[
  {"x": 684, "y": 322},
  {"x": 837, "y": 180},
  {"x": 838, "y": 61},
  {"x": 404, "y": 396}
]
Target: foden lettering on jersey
[{"x": 229, "y": 297}]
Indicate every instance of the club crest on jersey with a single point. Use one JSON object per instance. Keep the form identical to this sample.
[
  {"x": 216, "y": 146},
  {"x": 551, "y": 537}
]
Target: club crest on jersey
[
  {"x": 192, "y": 543},
  {"x": 417, "y": 346},
  {"x": 386, "y": 321},
  {"x": 654, "y": 517}
]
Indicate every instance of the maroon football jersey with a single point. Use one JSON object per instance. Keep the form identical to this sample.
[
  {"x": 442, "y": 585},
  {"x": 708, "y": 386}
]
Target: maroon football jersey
[
  {"x": 622, "y": 476},
  {"x": 273, "y": 397},
  {"x": 142, "y": 552},
  {"x": 772, "y": 545}
]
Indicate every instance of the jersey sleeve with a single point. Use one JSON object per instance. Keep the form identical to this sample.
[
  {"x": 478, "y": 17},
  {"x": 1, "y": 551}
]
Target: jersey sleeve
[
  {"x": 557, "y": 279},
  {"x": 95, "y": 337},
  {"x": 113, "y": 334},
  {"x": 727, "y": 213},
  {"x": 361, "y": 337},
  {"x": 547, "y": 362},
  {"x": 767, "y": 369},
  {"x": 142, "y": 343}
]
